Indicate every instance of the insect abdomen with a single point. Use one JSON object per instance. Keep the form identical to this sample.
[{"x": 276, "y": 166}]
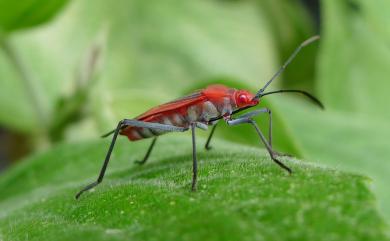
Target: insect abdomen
[
  {"x": 182, "y": 117},
  {"x": 207, "y": 110},
  {"x": 137, "y": 133}
]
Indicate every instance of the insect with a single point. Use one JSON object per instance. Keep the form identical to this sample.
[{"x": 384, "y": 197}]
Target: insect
[{"x": 201, "y": 109}]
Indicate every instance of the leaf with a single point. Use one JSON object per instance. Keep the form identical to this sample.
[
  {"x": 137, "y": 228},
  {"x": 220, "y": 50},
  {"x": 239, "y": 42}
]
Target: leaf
[
  {"x": 241, "y": 195},
  {"x": 354, "y": 57},
  {"x": 28, "y": 13},
  {"x": 16, "y": 110},
  {"x": 347, "y": 141},
  {"x": 352, "y": 133}
]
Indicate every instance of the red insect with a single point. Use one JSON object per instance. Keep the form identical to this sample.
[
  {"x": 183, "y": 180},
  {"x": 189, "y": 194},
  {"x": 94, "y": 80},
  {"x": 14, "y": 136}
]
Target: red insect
[{"x": 199, "y": 110}]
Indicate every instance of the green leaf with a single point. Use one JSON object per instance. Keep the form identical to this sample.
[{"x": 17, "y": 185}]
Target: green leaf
[
  {"x": 352, "y": 133},
  {"x": 16, "y": 15},
  {"x": 241, "y": 195},
  {"x": 347, "y": 141},
  {"x": 16, "y": 109},
  {"x": 354, "y": 57}
]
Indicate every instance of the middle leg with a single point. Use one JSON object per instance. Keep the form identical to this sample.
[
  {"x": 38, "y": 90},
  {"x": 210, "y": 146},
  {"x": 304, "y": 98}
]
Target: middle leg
[
  {"x": 147, "y": 153},
  {"x": 207, "y": 145},
  {"x": 194, "y": 160},
  {"x": 249, "y": 114}
]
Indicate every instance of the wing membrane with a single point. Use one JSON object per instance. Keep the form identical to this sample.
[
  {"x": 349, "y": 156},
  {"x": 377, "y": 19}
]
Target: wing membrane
[{"x": 175, "y": 104}]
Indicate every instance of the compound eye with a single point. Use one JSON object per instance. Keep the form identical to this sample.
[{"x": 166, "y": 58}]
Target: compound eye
[{"x": 243, "y": 98}]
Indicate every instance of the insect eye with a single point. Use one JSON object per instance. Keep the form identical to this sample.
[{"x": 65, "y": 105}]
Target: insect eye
[{"x": 243, "y": 98}]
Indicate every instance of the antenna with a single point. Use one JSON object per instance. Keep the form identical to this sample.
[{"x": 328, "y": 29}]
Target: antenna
[
  {"x": 311, "y": 97},
  {"x": 305, "y": 43}
]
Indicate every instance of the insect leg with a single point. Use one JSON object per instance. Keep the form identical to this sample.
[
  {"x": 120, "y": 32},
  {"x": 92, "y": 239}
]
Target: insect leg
[
  {"x": 194, "y": 161},
  {"x": 148, "y": 152},
  {"x": 149, "y": 125},
  {"x": 249, "y": 114},
  {"x": 269, "y": 126},
  {"x": 257, "y": 112},
  {"x": 247, "y": 119},
  {"x": 269, "y": 148},
  {"x": 207, "y": 145},
  {"x": 153, "y": 126},
  {"x": 105, "y": 163},
  {"x": 127, "y": 122}
]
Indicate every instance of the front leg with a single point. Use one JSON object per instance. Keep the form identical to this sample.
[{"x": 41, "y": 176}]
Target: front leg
[
  {"x": 249, "y": 114},
  {"x": 269, "y": 112},
  {"x": 246, "y": 119}
]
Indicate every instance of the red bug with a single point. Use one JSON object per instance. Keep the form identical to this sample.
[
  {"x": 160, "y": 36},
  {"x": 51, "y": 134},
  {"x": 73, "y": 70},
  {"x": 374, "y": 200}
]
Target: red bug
[{"x": 199, "y": 110}]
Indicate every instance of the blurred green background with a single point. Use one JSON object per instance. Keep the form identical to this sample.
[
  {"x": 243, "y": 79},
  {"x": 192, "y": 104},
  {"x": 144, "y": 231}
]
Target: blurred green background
[{"x": 69, "y": 70}]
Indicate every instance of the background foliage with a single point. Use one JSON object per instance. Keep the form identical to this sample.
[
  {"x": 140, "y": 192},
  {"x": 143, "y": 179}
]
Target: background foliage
[{"x": 69, "y": 70}]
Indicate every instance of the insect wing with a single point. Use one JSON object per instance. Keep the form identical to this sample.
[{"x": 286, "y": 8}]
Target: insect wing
[{"x": 175, "y": 104}]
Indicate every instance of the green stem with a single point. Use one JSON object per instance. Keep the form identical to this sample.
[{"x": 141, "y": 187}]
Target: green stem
[{"x": 26, "y": 78}]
